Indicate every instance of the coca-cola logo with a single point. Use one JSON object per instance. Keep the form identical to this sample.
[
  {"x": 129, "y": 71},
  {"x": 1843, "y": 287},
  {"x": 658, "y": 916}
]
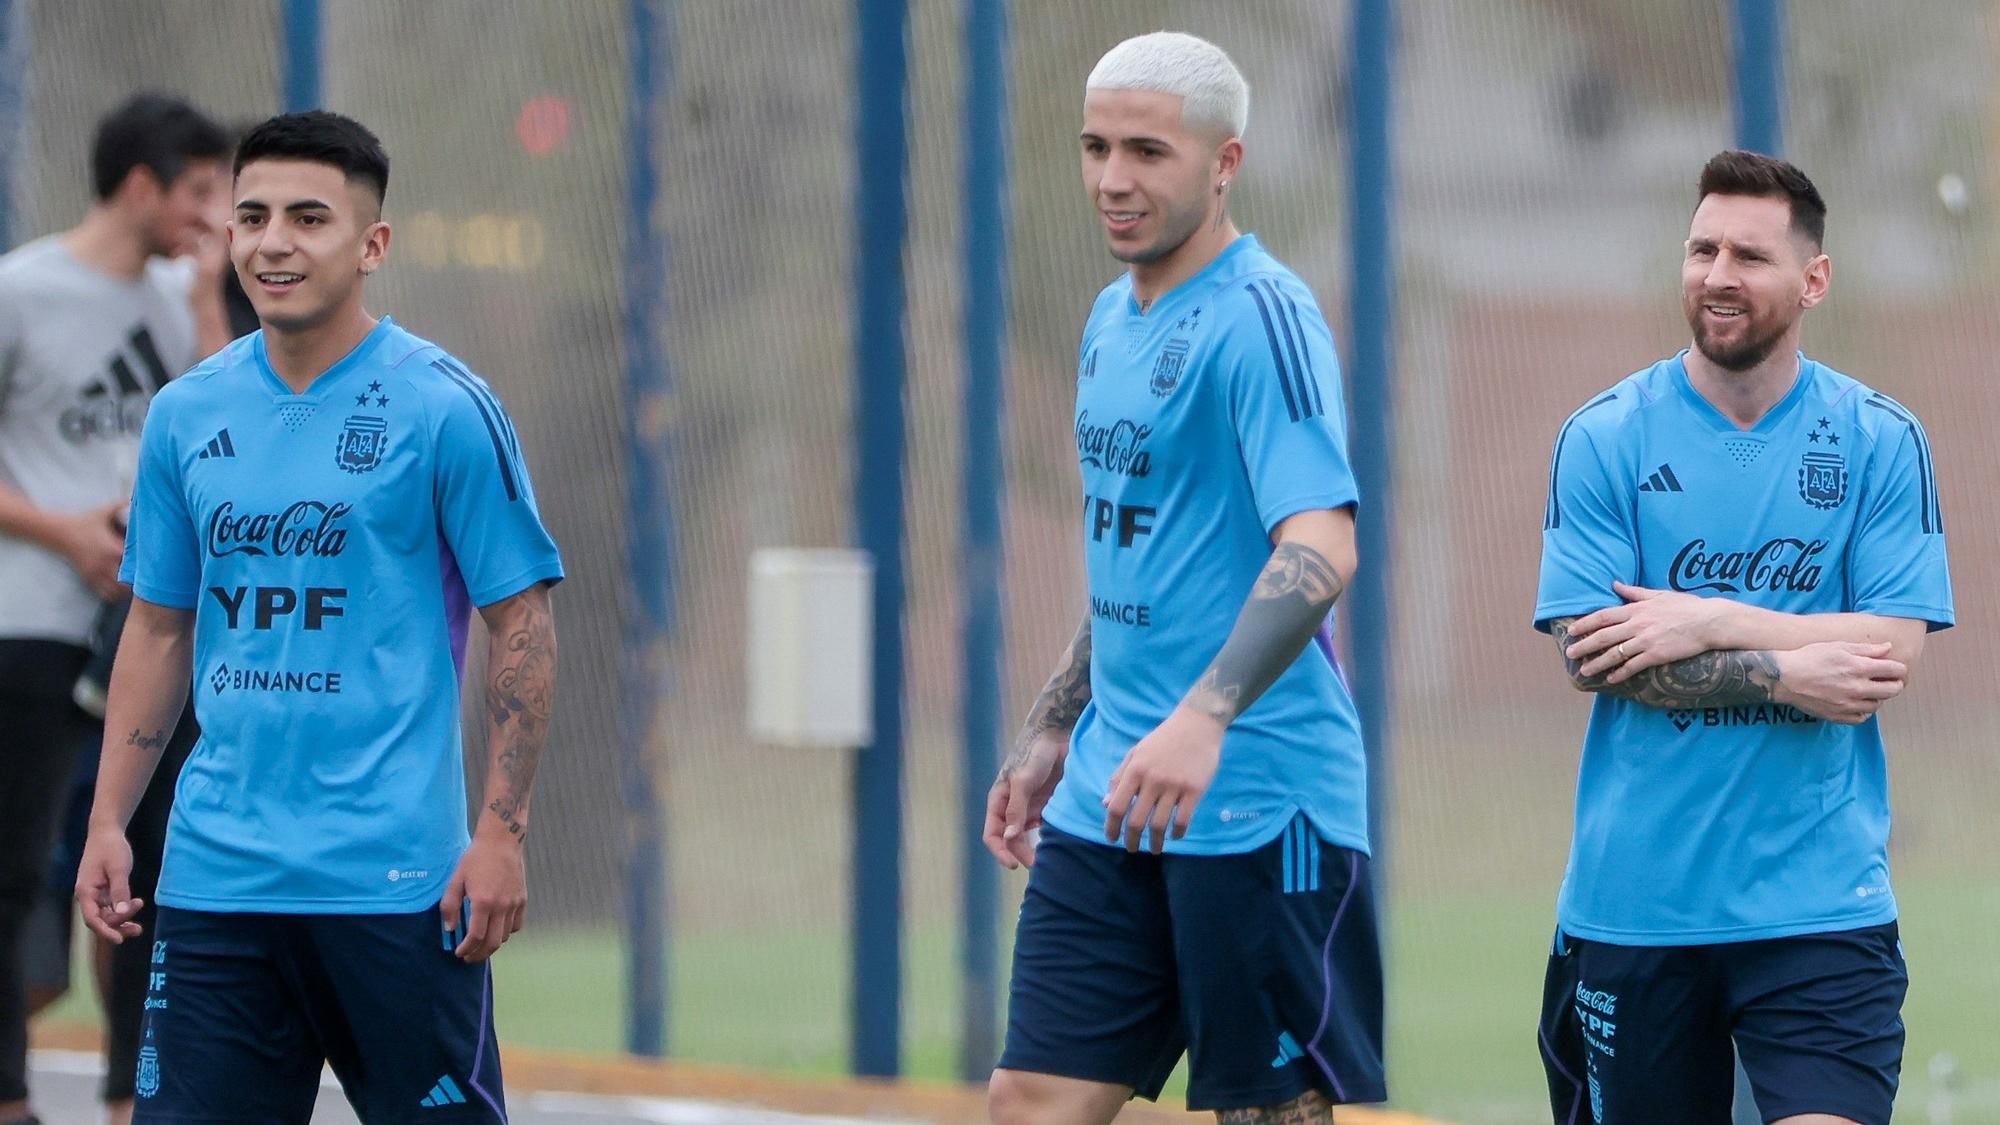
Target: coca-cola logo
[
  {"x": 1117, "y": 448},
  {"x": 308, "y": 527},
  {"x": 1780, "y": 564}
]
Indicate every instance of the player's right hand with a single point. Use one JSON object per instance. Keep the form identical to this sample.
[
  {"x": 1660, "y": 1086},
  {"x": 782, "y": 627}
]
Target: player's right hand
[
  {"x": 1014, "y": 804},
  {"x": 1840, "y": 681},
  {"x": 104, "y": 887},
  {"x": 94, "y": 544}
]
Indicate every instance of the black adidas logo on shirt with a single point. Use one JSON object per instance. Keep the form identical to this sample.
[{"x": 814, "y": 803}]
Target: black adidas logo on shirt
[
  {"x": 1662, "y": 480},
  {"x": 218, "y": 446}
]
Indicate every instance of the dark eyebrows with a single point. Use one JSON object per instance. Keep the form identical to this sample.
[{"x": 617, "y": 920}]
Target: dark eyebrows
[
  {"x": 1129, "y": 142},
  {"x": 290, "y": 208}
]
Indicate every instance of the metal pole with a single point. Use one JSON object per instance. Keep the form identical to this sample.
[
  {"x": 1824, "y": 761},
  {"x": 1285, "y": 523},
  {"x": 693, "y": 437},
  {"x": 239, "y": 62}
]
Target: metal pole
[
  {"x": 1371, "y": 304},
  {"x": 881, "y": 221},
  {"x": 1760, "y": 75},
  {"x": 301, "y": 72},
  {"x": 1760, "y": 127},
  {"x": 14, "y": 57},
  {"x": 649, "y": 529},
  {"x": 985, "y": 480}
]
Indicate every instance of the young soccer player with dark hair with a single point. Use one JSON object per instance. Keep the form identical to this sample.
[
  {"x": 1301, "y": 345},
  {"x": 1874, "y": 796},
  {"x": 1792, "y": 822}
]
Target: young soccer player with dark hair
[
  {"x": 1742, "y": 553},
  {"x": 1195, "y": 766},
  {"x": 93, "y": 322},
  {"x": 318, "y": 509}
]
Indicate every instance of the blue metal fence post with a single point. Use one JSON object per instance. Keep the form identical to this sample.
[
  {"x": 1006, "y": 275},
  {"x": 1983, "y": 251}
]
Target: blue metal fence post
[
  {"x": 14, "y": 55},
  {"x": 881, "y": 221},
  {"x": 985, "y": 479},
  {"x": 1760, "y": 75},
  {"x": 1759, "y": 102},
  {"x": 649, "y": 529},
  {"x": 1371, "y": 305},
  {"x": 302, "y": 57}
]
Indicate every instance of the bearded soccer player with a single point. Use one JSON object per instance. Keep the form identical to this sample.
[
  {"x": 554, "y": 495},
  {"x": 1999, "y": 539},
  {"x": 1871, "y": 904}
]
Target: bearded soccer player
[
  {"x": 318, "y": 508},
  {"x": 1741, "y": 556},
  {"x": 1195, "y": 765}
]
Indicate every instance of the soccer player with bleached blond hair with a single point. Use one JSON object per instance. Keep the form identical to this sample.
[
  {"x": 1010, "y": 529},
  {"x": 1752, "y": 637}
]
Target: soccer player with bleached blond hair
[{"x": 1194, "y": 767}]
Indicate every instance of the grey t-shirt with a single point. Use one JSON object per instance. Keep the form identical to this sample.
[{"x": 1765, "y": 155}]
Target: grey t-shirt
[{"x": 81, "y": 355}]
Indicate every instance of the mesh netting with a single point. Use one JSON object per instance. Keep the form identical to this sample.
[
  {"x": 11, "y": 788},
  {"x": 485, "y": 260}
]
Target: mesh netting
[{"x": 1546, "y": 151}]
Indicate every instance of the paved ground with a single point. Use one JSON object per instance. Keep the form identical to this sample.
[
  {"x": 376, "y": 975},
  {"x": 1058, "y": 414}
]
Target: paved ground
[{"x": 65, "y": 1084}]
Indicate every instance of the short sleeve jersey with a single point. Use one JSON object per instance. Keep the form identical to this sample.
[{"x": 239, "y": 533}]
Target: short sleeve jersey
[
  {"x": 1739, "y": 823},
  {"x": 81, "y": 355},
  {"x": 331, "y": 545},
  {"x": 1201, "y": 424}
]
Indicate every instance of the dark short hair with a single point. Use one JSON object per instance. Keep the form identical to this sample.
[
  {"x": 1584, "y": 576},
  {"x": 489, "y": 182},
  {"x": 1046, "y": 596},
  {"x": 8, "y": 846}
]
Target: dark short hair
[
  {"x": 1737, "y": 172},
  {"x": 322, "y": 138},
  {"x": 153, "y": 131}
]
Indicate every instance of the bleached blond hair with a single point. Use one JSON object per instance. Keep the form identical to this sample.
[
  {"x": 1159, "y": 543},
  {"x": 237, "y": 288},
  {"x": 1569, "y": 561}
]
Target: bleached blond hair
[{"x": 1212, "y": 91}]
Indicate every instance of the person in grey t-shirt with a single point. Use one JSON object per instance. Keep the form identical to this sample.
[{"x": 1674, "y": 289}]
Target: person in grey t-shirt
[{"x": 93, "y": 321}]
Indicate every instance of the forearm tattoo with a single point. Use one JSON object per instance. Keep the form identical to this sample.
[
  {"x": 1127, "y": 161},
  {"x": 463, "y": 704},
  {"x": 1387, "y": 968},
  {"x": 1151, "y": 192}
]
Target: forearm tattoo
[
  {"x": 1710, "y": 679},
  {"x": 1061, "y": 702},
  {"x": 520, "y": 691},
  {"x": 1286, "y": 606},
  {"x": 153, "y": 741},
  {"x": 1309, "y": 1108}
]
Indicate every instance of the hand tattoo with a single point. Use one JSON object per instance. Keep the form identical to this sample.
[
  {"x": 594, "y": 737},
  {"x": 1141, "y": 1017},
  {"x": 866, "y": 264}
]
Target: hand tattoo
[
  {"x": 1728, "y": 678},
  {"x": 1285, "y": 608}
]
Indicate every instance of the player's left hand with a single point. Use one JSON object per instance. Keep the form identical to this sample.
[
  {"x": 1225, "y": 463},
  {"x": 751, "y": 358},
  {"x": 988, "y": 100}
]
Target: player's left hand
[
  {"x": 1652, "y": 628},
  {"x": 492, "y": 877},
  {"x": 1162, "y": 780}
]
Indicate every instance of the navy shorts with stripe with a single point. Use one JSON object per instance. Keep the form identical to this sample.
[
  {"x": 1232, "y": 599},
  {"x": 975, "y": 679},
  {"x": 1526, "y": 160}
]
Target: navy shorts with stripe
[
  {"x": 1649, "y": 1034},
  {"x": 243, "y": 1008},
  {"x": 1263, "y": 967}
]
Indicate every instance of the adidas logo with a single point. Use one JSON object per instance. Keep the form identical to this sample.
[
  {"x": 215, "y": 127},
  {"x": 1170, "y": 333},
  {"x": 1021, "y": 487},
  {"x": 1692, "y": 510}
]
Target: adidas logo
[
  {"x": 1662, "y": 480},
  {"x": 218, "y": 446},
  {"x": 444, "y": 1093},
  {"x": 1288, "y": 1049}
]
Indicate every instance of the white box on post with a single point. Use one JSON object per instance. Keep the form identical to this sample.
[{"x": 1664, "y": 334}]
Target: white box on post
[{"x": 811, "y": 644}]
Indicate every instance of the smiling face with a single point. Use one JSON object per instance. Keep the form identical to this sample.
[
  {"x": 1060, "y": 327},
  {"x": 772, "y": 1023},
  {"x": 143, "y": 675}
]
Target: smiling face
[
  {"x": 178, "y": 217},
  {"x": 303, "y": 238},
  {"x": 1152, "y": 178},
  {"x": 1747, "y": 279}
]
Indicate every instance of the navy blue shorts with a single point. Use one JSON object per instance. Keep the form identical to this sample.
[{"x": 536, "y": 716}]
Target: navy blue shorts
[
  {"x": 1263, "y": 967},
  {"x": 1645, "y": 1034},
  {"x": 243, "y": 1009}
]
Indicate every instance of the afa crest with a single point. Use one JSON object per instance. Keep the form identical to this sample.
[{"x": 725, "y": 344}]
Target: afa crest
[
  {"x": 1823, "y": 480},
  {"x": 148, "y": 1082},
  {"x": 1168, "y": 369},
  {"x": 361, "y": 439}
]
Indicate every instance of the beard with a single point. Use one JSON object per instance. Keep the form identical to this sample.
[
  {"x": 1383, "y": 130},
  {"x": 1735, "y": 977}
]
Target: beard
[
  {"x": 1177, "y": 226},
  {"x": 1759, "y": 339}
]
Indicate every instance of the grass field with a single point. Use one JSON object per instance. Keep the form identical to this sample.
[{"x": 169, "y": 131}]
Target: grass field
[{"x": 1465, "y": 981}]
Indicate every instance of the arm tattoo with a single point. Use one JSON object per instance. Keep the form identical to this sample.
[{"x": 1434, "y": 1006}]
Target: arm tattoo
[
  {"x": 153, "y": 741},
  {"x": 1711, "y": 679},
  {"x": 1291, "y": 599},
  {"x": 1061, "y": 702},
  {"x": 1309, "y": 1108},
  {"x": 520, "y": 691}
]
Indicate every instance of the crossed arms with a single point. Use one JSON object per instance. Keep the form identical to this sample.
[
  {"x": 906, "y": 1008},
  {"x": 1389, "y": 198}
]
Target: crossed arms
[{"x": 1673, "y": 650}]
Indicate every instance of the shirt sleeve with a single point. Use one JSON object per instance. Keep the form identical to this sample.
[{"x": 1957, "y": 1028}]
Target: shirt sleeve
[
  {"x": 1588, "y": 541},
  {"x": 1282, "y": 380},
  {"x": 1896, "y": 561},
  {"x": 486, "y": 505},
  {"x": 162, "y": 560}
]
